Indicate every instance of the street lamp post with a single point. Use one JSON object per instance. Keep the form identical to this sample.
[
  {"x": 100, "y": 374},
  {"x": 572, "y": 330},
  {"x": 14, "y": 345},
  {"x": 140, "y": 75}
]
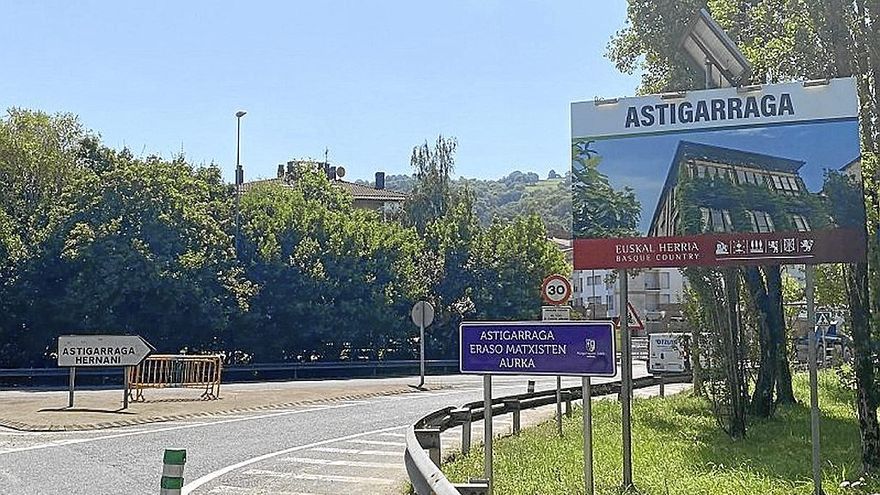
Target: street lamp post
[{"x": 239, "y": 178}]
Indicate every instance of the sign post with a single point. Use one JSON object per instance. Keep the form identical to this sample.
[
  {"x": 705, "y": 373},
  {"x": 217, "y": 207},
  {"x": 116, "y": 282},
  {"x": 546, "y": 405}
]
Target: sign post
[
  {"x": 487, "y": 430},
  {"x": 556, "y": 290},
  {"x": 70, "y": 391},
  {"x": 578, "y": 348},
  {"x": 587, "y": 395},
  {"x": 422, "y": 315},
  {"x": 101, "y": 351}
]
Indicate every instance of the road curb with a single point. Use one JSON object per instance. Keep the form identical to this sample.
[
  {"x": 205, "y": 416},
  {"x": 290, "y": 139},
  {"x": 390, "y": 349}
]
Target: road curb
[{"x": 29, "y": 427}]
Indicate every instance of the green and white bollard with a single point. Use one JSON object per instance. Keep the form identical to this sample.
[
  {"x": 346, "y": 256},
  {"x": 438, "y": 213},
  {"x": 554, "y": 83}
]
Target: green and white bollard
[{"x": 172, "y": 471}]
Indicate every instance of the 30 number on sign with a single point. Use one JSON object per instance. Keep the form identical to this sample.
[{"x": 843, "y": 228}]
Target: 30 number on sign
[{"x": 556, "y": 289}]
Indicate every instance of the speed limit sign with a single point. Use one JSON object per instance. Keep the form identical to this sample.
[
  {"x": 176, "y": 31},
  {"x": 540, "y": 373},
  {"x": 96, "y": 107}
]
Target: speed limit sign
[{"x": 556, "y": 289}]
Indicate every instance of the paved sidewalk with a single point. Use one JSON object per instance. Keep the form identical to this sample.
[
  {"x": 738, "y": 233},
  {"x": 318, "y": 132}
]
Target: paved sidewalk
[{"x": 97, "y": 409}]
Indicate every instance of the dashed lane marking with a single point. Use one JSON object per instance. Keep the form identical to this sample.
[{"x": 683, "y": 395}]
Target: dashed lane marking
[
  {"x": 395, "y": 435},
  {"x": 266, "y": 472},
  {"x": 240, "y": 490},
  {"x": 337, "y": 462},
  {"x": 378, "y": 442},
  {"x": 335, "y": 450},
  {"x": 344, "y": 479}
]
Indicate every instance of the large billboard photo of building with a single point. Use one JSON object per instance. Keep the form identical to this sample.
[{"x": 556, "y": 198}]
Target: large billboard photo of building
[{"x": 762, "y": 175}]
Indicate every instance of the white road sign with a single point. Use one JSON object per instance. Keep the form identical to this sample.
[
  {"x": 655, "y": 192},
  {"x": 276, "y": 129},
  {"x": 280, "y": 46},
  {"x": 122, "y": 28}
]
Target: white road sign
[
  {"x": 102, "y": 350},
  {"x": 422, "y": 313},
  {"x": 555, "y": 313}
]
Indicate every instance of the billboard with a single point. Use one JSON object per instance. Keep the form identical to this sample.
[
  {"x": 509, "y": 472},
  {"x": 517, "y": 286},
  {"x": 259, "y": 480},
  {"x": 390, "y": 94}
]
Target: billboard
[{"x": 735, "y": 176}]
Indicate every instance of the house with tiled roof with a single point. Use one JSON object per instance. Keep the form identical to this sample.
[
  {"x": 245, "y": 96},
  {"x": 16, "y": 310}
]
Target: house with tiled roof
[{"x": 374, "y": 197}]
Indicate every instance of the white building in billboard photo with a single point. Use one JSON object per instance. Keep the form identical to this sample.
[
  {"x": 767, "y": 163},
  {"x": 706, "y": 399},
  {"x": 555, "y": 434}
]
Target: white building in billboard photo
[{"x": 654, "y": 294}]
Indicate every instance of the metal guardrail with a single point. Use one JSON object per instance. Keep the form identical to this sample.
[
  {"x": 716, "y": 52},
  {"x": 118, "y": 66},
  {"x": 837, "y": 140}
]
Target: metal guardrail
[
  {"x": 247, "y": 371},
  {"x": 422, "y": 457}
]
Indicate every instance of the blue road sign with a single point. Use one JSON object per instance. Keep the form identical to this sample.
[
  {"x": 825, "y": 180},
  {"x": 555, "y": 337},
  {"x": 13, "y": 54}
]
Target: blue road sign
[{"x": 583, "y": 348}]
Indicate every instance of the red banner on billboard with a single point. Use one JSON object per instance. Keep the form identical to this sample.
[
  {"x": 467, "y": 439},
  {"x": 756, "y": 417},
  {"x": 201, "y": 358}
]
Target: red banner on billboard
[{"x": 772, "y": 248}]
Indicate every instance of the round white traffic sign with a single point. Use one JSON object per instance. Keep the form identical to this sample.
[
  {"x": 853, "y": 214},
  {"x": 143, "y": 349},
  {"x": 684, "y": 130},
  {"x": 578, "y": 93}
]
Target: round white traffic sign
[
  {"x": 556, "y": 289},
  {"x": 422, "y": 313}
]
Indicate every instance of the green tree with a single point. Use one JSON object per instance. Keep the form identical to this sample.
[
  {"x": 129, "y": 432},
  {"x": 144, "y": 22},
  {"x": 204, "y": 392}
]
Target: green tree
[
  {"x": 432, "y": 195},
  {"x": 334, "y": 282},
  {"x": 450, "y": 269},
  {"x": 513, "y": 259},
  {"x": 39, "y": 158},
  {"x": 598, "y": 210}
]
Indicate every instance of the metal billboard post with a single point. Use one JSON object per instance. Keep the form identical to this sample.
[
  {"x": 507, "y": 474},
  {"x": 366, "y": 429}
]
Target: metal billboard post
[
  {"x": 588, "y": 434},
  {"x": 625, "y": 380},
  {"x": 810, "y": 275},
  {"x": 487, "y": 430}
]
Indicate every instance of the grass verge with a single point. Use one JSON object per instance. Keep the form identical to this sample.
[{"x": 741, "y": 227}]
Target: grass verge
[{"x": 679, "y": 449}]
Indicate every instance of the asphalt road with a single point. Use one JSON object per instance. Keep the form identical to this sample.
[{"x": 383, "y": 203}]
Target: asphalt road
[{"x": 352, "y": 447}]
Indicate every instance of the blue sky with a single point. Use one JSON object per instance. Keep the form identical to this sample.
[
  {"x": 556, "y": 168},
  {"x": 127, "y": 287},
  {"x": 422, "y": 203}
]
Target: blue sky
[
  {"x": 642, "y": 162},
  {"x": 368, "y": 80}
]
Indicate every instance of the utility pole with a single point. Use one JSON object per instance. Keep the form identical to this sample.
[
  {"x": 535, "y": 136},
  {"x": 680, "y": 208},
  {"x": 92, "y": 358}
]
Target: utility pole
[{"x": 239, "y": 179}]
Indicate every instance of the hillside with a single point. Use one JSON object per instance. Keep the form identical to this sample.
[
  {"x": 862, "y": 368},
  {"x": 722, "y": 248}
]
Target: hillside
[{"x": 518, "y": 193}]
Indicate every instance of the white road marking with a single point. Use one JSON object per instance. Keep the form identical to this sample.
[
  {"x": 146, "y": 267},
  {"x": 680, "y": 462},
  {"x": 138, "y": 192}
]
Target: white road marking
[
  {"x": 334, "y": 450},
  {"x": 338, "y": 462},
  {"x": 189, "y": 487},
  {"x": 72, "y": 441},
  {"x": 239, "y": 490},
  {"x": 396, "y": 435},
  {"x": 379, "y": 442},
  {"x": 344, "y": 479},
  {"x": 266, "y": 472}
]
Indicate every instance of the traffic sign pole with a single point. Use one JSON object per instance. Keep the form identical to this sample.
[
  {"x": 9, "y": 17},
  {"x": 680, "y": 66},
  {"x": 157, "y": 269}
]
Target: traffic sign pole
[
  {"x": 558, "y": 384},
  {"x": 125, "y": 387},
  {"x": 559, "y": 405},
  {"x": 422, "y": 314},
  {"x": 70, "y": 392},
  {"x": 587, "y": 395},
  {"x": 422, "y": 352},
  {"x": 487, "y": 430}
]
